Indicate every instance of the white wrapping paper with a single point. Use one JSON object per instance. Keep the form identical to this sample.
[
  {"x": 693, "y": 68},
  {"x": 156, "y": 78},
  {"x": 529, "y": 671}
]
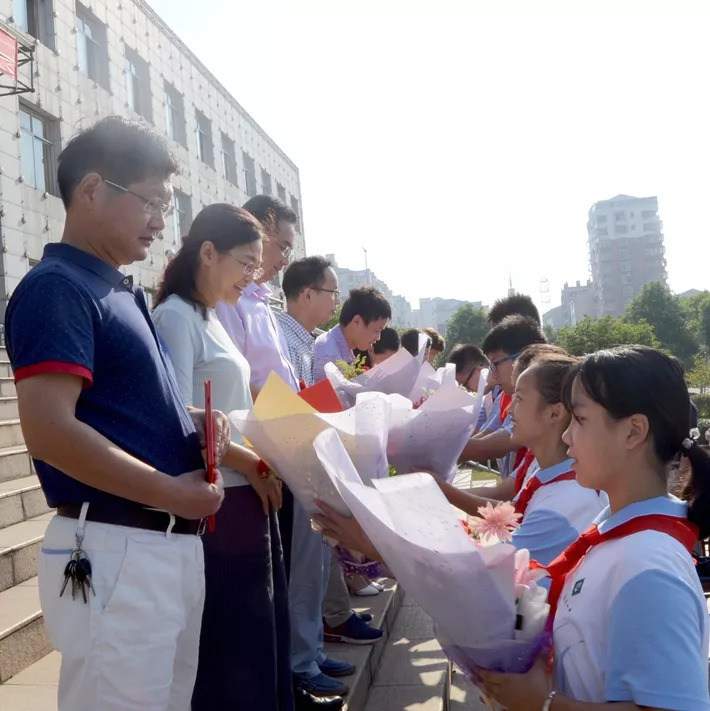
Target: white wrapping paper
[
  {"x": 432, "y": 437},
  {"x": 469, "y": 591},
  {"x": 397, "y": 375}
]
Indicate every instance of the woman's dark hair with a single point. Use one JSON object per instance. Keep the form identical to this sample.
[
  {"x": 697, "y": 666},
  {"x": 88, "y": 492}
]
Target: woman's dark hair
[
  {"x": 366, "y": 302},
  {"x": 304, "y": 273},
  {"x": 513, "y": 334},
  {"x": 410, "y": 340},
  {"x": 389, "y": 341},
  {"x": 226, "y": 226},
  {"x": 122, "y": 151},
  {"x": 514, "y": 305},
  {"x": 631, "y": 380},
  {"x": 466, "y": 356},
  {"x": 437, "y": 341}
]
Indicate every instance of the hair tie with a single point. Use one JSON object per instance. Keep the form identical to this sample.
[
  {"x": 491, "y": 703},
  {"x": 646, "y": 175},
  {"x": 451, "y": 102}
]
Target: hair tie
[{"x": 687, "y": 444}]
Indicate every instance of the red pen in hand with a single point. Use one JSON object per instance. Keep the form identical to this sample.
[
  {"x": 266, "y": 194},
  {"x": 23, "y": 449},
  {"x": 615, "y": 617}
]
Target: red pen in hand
[{"x": 210, "y": 443}]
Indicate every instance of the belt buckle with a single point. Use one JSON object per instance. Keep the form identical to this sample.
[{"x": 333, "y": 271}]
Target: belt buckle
[{"x": 201, "y": 527}]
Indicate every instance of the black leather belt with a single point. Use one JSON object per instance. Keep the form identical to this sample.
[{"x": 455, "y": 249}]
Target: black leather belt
[{"x": 147, "y": 519}]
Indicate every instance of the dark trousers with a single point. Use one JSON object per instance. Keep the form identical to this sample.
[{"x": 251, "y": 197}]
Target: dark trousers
[{"x": 245, "y": 662}]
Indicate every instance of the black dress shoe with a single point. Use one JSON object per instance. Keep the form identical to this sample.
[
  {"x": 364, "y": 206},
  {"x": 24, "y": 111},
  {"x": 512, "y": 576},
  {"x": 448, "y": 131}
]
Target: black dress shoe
[{"x": 308, "y": 702}]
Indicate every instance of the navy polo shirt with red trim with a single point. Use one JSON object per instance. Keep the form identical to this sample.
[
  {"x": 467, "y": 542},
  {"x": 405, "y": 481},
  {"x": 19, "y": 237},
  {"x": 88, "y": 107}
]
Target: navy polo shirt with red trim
[{"x": 74, "y": 313}]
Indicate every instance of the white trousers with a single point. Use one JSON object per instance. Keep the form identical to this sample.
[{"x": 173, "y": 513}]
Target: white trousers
[{"x": 134, "y": 645}]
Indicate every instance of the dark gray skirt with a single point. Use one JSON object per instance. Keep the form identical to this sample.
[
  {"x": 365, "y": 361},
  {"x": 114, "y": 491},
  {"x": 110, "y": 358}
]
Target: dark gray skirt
[{"x": 245, "y": 656}]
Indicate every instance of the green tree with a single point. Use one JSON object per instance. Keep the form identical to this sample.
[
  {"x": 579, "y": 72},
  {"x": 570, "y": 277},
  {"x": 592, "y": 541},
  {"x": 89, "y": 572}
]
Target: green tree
[
  {"x": 697, "y": 310},
  {"x": 664, "y": 312},
  {"x": 467, "y": 325},
  {"x": 593, "y": 334},
  {"x": 699, "y": 375},
  {"x": 334, "y": 321}
]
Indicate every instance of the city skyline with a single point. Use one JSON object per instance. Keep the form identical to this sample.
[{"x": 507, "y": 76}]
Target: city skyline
[{"x": 482, "y": 154}]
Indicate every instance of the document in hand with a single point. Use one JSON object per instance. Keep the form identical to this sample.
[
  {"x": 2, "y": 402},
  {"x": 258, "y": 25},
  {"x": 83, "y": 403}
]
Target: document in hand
[{"x": 469, "y": 590}]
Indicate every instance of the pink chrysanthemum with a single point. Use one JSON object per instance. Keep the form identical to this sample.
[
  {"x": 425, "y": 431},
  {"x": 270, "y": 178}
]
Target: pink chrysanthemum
[{"x": 496, "y": 521}]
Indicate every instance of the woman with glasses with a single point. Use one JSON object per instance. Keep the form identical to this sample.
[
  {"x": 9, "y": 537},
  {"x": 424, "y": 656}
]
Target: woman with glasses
[{"x": 244, "y": 658}]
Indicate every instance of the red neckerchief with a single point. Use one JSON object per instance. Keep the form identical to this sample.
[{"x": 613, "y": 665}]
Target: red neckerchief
[
  {"x": 521, "y": 469},
  {"x": 681, "y": 529},
  {"x": 505, "y": 401},
  {"x": 533, "y": 484}
]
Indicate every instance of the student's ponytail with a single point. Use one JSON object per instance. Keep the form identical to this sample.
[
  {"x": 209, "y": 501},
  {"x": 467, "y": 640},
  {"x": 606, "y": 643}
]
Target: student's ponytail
[{"x": 698, "y": 490}]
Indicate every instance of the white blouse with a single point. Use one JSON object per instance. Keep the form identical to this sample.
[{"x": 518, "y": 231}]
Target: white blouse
[{"x": 201, "y": 350}]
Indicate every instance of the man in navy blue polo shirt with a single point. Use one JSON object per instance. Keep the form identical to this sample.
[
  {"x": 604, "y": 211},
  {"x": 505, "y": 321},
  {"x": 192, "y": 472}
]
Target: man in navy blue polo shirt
[{"x": 114, "y": 447}]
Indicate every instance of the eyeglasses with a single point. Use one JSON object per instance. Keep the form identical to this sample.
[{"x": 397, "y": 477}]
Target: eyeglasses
[
  {"x": 254, "y": 270},
  {"x": 495, "y": 364},
  {"x": 335, "y": 292},
  {"x": 153, "y": 206},
  {"x": 285, "y": 249},
  {"x": 467, "y": 382}
]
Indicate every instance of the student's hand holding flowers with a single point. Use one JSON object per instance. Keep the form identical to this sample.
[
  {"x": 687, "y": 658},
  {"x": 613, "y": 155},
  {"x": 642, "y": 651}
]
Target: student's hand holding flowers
[
  {"x": 519, "y": 692},
  {"x": 345, "y": 530}
]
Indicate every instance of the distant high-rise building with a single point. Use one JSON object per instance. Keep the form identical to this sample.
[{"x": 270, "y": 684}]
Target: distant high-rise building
[
  {"x": 626, "y": 250},
  {"x": 576, "y": 302}
]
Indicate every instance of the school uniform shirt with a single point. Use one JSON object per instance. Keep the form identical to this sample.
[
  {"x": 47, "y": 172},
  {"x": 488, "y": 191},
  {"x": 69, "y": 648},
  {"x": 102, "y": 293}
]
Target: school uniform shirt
[
  {"x": 556, "y": 514},
  {"x": 632, "y": 622},
  {"x": 200, "y": 349}
]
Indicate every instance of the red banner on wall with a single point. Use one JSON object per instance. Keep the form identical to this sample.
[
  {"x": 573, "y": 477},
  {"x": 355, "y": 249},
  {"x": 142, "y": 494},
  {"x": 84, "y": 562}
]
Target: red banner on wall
[{"x": 8, "y": 54}]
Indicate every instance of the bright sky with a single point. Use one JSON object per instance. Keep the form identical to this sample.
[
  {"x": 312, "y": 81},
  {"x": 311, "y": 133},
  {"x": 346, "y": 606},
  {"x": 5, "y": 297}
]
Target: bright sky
[{"x": 461, "y": 141}]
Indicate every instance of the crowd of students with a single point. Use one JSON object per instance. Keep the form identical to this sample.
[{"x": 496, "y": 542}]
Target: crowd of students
[{"x": 112, "y": 407}]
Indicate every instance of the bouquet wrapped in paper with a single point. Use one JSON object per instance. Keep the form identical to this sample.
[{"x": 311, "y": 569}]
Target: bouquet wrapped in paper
[
  {"x": 432, "y": 435},
  {"x": 282, "y": 426},
  {"x": 397, "y": 375},
  {"x": 488, "y": 610},
  {"x": 429, "y": 381}
]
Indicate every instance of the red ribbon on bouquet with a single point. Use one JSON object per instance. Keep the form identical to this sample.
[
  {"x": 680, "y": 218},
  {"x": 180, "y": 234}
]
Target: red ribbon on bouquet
[{"x": 210, "y": 446}]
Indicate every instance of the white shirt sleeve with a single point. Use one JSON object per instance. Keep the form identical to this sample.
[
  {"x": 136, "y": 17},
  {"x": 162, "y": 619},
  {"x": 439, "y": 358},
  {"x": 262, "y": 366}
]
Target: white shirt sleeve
[{"x": 177, "y": 330}]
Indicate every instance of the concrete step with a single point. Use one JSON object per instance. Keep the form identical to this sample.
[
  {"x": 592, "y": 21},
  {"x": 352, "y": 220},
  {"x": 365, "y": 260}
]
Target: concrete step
[
  {"x": 7, "y": 386},
  {"x": 413, "y": 674},
  {"x": 366, "y": 658},
  {"x": 21, "y": 499},
  {"x": 19, "y": 548},
  {"x": 35, "y": 688},
  {"x": 8, "y": 407},
  {"x": 11, "y": 434},
  {"x": 5, "y": 367},
  {"x": 23, "y": 638},
  {"x": 15, "y": 463}
]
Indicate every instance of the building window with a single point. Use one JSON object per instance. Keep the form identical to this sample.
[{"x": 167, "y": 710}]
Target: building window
[
  {"x": 138, "y": 85},
  {"x": 92, "y": 46},
  {"x": 645, "y": 214},
  {"x": 628, "y": 291},
  {"x": 205, "y": 150},
  {"x": 297, "y": 209},
  {"x": 620, "y": 217},
  {"x": 601, "y": 232},
  {"x": 182, "y": 216},
  {"x": 229, "y": 159},
  {"x": 249, "y": 174},
  {"x": 175, "y": 114},
  {"x": 601, "y": 219},
  {"x": 37, "y": 148},
  {"x": 266, "y": 188},
  {"x": 650, "y": 227},
  {"x": 623, "y": 254},
  {"x": 626, "y": 267},
  {"x": 281, "y": 192},
  {"x": 621, "y": 230},
  {"x": 36, "y": 18}
]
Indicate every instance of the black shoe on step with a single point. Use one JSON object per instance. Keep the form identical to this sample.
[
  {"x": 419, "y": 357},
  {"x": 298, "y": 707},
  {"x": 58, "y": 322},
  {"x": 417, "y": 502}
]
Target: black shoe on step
[{"x": 307, "y": 702}]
